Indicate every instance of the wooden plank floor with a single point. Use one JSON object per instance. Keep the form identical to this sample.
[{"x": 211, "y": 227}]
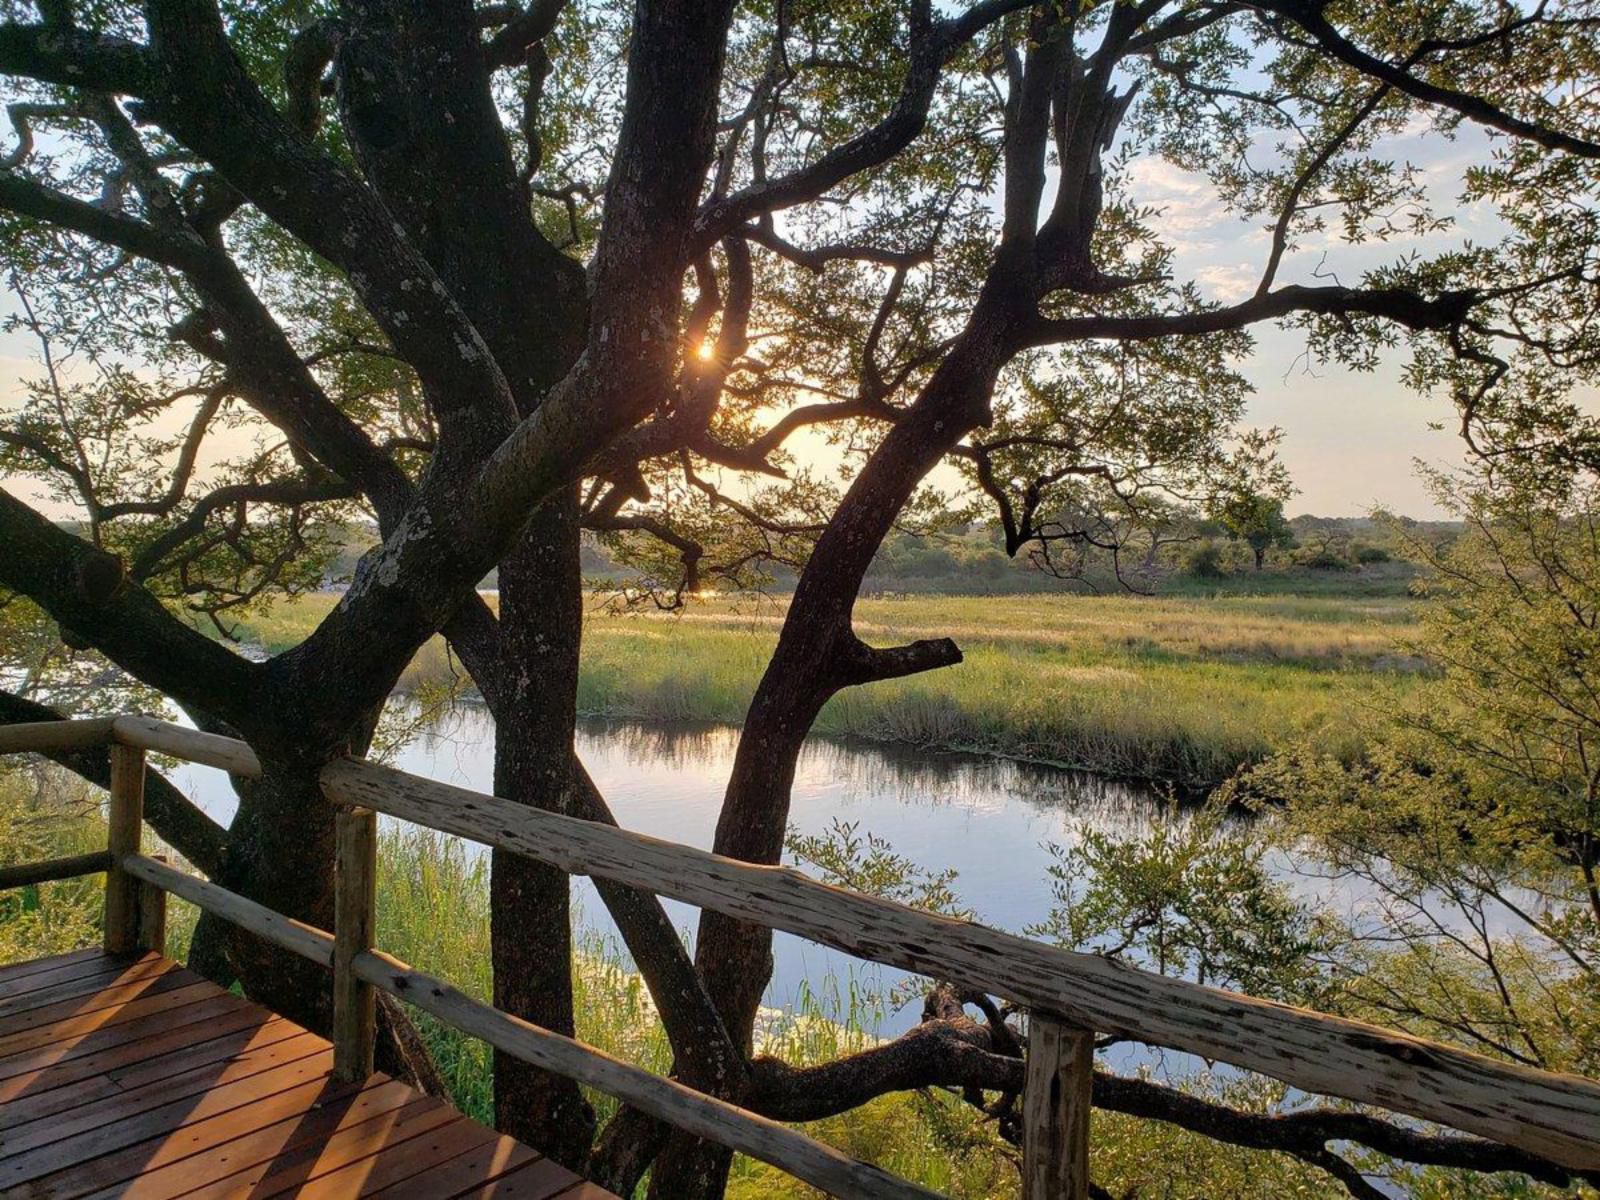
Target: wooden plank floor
[{"x": 132, "y": 1077}]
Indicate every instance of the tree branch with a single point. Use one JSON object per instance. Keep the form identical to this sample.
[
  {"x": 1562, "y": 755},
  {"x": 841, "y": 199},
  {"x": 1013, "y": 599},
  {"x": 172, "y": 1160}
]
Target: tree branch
[
  {"x": 511, "y": 43},
  {"x": 1408, "y": 308},
  {"x": 932, "y": 45},
  {"x": 31, "y": 199},
  {"x": 75, "y": 58},
  {"x": 212, "y": 105},
  {"x": 285, "y": 492},
  {"x": 861, "y": 663},
  {"x": 950, "y": 1049},
  {"x": 1309, "y": 15},
  {"x": 814, "y": 258},
  {"x": 86, "y": 590}
]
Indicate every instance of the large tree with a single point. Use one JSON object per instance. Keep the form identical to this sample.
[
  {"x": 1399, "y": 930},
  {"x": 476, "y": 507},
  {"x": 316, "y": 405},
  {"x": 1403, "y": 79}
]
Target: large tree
[{"x": 496, "y": 274}]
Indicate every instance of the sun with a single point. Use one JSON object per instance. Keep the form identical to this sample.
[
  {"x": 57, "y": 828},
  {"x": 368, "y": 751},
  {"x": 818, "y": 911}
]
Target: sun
[{"x": 707, "y": 351}]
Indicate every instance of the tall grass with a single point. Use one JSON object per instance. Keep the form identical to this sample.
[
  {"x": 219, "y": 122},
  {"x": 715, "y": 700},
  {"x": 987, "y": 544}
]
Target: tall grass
[
  {"x": 1181, "y": 691},
  {"x": 48, "y": 918},
  {"x": 433, "y": 911},
  {"x": 47, "y": 813}
]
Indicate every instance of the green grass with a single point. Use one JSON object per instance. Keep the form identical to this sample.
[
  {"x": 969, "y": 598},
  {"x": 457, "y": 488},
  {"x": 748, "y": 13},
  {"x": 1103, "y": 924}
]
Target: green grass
[
  {"x": 1178, "y": 690},
  {"x": 47, "y": 918}
]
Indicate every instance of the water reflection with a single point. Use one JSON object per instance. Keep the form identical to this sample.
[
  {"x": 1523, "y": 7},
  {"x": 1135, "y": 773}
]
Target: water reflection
[{"x": 989, "y": 819}]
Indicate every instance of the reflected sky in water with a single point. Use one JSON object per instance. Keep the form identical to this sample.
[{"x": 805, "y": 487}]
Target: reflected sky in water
[{"x": 989, "y": 819}]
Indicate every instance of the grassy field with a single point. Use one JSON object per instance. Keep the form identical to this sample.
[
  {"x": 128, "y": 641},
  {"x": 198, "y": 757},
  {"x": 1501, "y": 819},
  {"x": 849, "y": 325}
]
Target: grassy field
[{"x": 1178, "y": 690}]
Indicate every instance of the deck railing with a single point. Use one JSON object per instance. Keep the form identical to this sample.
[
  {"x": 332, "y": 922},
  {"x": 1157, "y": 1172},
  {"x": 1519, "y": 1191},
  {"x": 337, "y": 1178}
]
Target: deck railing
[{"x": 1070, "y": 997}]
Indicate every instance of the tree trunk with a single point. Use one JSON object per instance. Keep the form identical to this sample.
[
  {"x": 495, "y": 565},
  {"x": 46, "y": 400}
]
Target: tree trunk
[
  {"x": 280, "y": 854},
  {"x": 541, "y": 623},
  {"x": 817, "y": 654}
]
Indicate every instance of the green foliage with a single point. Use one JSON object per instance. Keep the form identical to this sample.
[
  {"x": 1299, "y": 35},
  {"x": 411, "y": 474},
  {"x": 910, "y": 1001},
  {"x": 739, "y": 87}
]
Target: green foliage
[
  {"x": 1325, "y": 560},
  {"x": 1193, "y": 896},
  {"x": 35, "y": 824},
  {"x": 1170, "y": 899},
  {"x": 1255, "y": 484},
  {"x": 1474, "y": 811},
  {"x": 1203, "y": 560},
  {"x": 1132, "y": 1157},
  {"x": 867, "y": 863}
]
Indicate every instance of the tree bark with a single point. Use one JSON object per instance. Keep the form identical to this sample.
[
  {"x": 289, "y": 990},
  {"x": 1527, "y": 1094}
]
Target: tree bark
[
  {"x": 425, "y": 128},
  {"x": 818, "y": 654},
  {"x": 541, "y": 623}
]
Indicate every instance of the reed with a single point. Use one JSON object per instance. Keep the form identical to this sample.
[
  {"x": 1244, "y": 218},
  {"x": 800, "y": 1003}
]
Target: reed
[{"x": 1181, "y": 691}]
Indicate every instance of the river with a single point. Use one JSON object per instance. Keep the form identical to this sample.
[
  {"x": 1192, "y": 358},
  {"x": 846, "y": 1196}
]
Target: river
[{"x": 991, "y": 820}]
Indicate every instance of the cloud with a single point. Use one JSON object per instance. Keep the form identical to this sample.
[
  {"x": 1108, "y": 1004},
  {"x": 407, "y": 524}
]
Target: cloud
[
  {"x": 1228, "y": 282},
  {"x": 1187, "y": 201}
]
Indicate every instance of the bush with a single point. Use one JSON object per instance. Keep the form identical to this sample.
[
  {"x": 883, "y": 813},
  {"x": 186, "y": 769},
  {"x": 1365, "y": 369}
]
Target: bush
[
  {"x": 1204, "y": 561},
  {"x": 1366, "y": 555},
  {"x": 1325, "y": 560}
]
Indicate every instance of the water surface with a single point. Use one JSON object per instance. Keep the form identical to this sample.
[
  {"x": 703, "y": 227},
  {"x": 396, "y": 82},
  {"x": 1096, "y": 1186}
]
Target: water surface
[{"x": 991, "y": 820}]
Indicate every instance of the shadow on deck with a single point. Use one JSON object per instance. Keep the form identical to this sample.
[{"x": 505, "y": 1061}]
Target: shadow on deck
[{"x": 132, "y": 1077}]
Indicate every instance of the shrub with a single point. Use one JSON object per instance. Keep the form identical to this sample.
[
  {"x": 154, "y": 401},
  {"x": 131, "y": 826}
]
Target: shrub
[
  {"x": 1204, "y": 561},
  {"x": 1325, "y": 560},
  {"x": 1372, "y": 554}
]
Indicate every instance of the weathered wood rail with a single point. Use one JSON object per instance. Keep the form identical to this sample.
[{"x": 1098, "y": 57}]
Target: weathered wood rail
[{"x": 1070, "y": 996}]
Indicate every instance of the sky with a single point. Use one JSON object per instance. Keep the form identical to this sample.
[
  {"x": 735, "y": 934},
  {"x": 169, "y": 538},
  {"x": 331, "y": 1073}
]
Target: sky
[{"x": 1351, "y": 439}]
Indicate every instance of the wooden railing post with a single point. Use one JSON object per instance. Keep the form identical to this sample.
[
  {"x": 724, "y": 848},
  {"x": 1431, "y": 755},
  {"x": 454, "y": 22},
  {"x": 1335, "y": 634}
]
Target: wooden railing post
[
  {"x": 355, "y": 915},
  {"x": 1056, "y": 1100},
  {"x": 124, "y": 820},
  {"x": 153, "y": 913}
]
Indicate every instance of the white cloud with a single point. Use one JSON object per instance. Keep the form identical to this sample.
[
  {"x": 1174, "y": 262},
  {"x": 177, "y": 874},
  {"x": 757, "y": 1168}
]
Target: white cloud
[{"x": 1228, "y": 282}]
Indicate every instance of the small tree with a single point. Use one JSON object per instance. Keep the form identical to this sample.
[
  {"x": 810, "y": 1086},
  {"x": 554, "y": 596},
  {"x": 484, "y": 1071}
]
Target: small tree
[
  {"x": 1324, "y": 542},
  {"x": 1258, "y": 521},
  {"x": 1204, "y": 560},
  {"x": 1474, "y": 816},
  {"x": 1254, "y": 485}
]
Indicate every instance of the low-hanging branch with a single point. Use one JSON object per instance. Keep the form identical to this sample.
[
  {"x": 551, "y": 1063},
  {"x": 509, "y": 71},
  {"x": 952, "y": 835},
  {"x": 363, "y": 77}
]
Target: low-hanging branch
[{"x": 949, "y": 1049}]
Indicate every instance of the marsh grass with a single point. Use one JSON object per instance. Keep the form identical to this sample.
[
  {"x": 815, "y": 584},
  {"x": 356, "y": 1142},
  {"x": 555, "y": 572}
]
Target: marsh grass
[
  {"x": 1172, "y": 690},
  {"x": 47, "y": 918}
]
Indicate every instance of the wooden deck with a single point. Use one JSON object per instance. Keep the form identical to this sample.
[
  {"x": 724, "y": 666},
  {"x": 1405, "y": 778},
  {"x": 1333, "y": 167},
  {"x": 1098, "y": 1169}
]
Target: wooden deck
[{"x": 132, "y": 1077}]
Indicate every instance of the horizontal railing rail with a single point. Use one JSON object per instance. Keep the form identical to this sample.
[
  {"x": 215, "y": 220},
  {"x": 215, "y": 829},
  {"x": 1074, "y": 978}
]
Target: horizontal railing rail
[
  {"x": 1068, "y": 994},
  {"x": 52, "y": 870}
]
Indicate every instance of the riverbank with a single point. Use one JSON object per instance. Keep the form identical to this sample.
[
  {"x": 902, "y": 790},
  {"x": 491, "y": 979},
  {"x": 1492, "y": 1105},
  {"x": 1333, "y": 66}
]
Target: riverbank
[{"x": 1178, "y": 692}]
